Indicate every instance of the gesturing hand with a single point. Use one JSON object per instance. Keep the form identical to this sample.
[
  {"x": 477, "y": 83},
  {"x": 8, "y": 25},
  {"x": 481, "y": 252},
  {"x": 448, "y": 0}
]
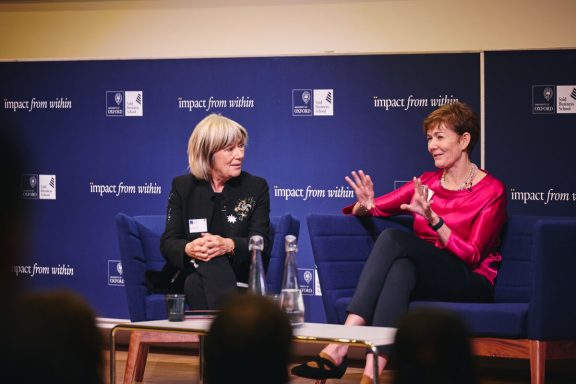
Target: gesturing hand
[
  {"x": 420, "y": 203},
  {"x": 363, "y": 188}
]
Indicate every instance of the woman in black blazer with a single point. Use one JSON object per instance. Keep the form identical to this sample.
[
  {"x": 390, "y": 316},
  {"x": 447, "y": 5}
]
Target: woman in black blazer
[{"x": 212, "y": 213}]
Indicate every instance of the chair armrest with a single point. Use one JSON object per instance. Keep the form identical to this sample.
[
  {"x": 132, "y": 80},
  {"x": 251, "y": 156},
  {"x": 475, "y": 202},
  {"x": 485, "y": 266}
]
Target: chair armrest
[
  {"x": 133, "y": 264},
  {"x": 280, "y": 226},
  {"x": 552, "y": 310},
  {"x": 340, "y": 246}
]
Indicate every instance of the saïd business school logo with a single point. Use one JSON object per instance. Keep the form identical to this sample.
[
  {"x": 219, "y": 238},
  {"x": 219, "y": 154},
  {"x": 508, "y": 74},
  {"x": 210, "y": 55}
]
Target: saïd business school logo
[
  {"x": 312, "y": 102},
  {"x": 124, "y": 103},
  {"x": 566, "y": 99},
  {"x": 551, "y": 99},
  {"x": 38, "y": 187}
]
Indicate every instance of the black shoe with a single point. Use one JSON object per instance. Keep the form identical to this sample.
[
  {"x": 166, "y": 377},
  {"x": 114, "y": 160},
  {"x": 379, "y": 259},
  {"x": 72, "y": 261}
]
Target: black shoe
[{"x": 326, "y": 369}]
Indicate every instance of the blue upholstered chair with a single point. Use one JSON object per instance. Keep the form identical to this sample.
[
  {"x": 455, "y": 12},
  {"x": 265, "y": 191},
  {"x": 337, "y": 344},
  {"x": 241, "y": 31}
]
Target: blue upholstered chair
[
  {"x": 534, "y": 312},
  {"x": 139, "y": 241}
]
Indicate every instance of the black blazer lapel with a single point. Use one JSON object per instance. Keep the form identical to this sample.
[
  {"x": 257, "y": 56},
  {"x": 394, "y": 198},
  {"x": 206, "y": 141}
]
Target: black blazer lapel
[{"x": 200, "y": 206}]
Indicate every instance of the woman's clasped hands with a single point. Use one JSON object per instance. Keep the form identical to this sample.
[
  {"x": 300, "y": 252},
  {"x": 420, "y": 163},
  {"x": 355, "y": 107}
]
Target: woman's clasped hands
[{"x": 208, "y": 246}]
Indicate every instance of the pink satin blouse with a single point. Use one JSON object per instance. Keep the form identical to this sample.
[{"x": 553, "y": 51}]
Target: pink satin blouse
[{"x": 476, "y": 218}]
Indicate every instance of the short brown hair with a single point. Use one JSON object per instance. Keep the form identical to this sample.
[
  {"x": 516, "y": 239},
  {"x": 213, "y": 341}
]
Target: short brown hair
[{"x": 457, "y": 116}]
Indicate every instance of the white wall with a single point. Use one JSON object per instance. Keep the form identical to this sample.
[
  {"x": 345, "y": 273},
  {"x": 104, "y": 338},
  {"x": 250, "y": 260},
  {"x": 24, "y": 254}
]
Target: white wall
[{"x": 77, "y": 29}]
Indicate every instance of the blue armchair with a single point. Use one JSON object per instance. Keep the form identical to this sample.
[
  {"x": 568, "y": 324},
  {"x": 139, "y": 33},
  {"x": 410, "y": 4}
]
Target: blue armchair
[
  {"x": 534, "y": 312},
  {"x": 139, "y": 241}
]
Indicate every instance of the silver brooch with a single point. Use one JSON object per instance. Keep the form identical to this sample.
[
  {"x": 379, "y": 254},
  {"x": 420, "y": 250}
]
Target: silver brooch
[{"x": 242, "y": 209}]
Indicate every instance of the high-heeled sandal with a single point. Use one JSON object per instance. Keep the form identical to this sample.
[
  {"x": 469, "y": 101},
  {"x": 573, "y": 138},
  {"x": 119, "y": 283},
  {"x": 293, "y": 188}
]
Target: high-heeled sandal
[{"x": 325, "y": 368}]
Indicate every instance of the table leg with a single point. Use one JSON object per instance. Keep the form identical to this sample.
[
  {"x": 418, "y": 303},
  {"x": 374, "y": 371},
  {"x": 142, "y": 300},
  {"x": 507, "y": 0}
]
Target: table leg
[
  {"x": 113, "y": 356},
  {"x": 374, "y": 350},
  {"x": 201, "y": 361}
]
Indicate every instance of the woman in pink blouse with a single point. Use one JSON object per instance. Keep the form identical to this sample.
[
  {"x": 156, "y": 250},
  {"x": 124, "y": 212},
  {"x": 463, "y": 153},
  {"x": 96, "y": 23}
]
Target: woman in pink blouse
[{"x": 452, "y": 255}]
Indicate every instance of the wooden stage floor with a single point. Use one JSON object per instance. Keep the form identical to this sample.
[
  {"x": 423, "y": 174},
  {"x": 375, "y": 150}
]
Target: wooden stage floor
[{"x": 180, "y": 365}]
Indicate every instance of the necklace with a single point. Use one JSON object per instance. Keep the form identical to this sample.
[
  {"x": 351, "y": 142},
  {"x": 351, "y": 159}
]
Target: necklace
[{"x": 467, "y": 184}]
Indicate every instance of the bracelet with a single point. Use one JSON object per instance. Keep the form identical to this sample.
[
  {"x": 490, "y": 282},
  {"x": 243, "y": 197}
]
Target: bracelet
[{"x": 438, "y": 225}]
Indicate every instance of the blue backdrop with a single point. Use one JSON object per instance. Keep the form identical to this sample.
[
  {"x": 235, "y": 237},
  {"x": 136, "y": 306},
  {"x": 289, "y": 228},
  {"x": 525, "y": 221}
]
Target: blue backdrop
[
  {"x": 531, "y": 128},
  {"x": 104, "y": 137}
]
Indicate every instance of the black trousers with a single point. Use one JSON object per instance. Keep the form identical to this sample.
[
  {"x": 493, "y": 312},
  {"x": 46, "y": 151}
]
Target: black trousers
[
  {"x": 210, "y": 284},
  {"x": 402, "y": 267}
]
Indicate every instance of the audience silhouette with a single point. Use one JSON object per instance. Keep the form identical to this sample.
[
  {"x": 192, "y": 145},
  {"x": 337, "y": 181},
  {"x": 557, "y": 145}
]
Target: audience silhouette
[
  {"x": 46, "y": 337},
  {"x": 55, "y": 339},
  {"x": 249, "y": 342},
  {"x": 433, "y": 347}
]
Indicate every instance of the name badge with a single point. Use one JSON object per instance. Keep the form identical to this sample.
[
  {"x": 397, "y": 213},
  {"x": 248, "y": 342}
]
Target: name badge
[{"x": 198, "y": 225}]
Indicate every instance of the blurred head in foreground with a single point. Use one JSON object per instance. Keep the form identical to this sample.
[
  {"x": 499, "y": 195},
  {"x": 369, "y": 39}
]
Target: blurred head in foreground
[
  {"x": 55, "y": 340},
  {"x": 433, "y": 347},
  {"x": 12, "y": 213},
  {"x": 249, "y": 342}
]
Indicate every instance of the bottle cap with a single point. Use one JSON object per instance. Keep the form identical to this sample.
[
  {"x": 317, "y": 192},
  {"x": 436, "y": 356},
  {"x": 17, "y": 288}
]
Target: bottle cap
[
  {"x": 290, "y": 243},
  {"x": 256, "y": 242}
]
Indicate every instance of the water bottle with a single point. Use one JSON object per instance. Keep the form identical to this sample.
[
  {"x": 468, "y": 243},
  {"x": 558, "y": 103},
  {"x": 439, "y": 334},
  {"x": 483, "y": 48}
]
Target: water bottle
[
  {"x": 256, "y": 282},
  {"x": 291, "y": 299}
]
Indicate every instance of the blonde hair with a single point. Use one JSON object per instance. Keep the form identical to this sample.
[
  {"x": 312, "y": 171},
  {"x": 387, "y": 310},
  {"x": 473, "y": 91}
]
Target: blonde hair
[{"x": 213, "y": 133}]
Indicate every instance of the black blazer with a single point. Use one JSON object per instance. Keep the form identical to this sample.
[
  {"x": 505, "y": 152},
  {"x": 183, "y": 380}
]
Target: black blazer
[{"x": 247, "y": 205}]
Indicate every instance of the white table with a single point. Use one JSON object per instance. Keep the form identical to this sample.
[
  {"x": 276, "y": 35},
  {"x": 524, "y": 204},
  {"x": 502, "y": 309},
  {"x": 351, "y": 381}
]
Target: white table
[{"x": 369, "y": 337}]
